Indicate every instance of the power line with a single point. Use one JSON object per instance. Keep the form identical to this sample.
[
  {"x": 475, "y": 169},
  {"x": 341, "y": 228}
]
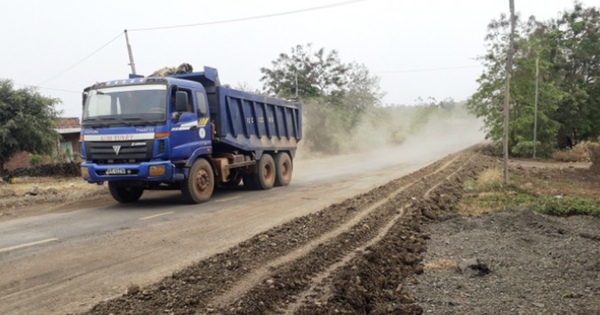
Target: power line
[
  {"x": 45, "y": 88},
  {"x": 192, "y": 25},
  {"x": 428, "y": 69},
  {"x": 80, "y": 61},
  {"x": 248, "y": 18}
]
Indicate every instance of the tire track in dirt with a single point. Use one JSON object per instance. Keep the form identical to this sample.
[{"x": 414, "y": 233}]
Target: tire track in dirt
[
  {"x": 371, "y": 283},
  {"x": 191, "y": 290},
  {"x": 258, "y": 275},
  {"x": 284, "y": 286},
  {"x": 319, "y": 287}
]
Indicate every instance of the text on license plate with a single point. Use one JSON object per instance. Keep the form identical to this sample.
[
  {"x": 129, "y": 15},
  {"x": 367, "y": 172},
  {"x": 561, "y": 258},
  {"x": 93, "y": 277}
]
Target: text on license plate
[{"x": 116, "y": 171}]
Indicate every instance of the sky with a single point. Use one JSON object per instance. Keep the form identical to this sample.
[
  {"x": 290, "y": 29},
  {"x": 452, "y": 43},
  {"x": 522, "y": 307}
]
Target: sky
[{"x": 420, "y": 49}]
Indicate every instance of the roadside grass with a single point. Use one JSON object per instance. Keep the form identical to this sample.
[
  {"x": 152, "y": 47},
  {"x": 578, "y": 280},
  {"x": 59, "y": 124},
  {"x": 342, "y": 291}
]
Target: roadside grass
[{"x": 488, "y": 193}]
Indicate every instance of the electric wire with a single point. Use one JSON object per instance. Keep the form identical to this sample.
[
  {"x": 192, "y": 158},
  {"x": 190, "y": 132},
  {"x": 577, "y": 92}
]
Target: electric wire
[
  {"x": 45, "y": 88},
  {"x": 427, "y": 69},
  {"x": 247, "y": 18},
  {"x": 192, "y": 25},
  {"x": 81, "y": 60}
]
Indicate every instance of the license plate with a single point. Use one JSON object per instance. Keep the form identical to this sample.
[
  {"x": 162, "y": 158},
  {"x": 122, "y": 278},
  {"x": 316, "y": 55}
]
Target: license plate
[{"x": 116, "y": 171}]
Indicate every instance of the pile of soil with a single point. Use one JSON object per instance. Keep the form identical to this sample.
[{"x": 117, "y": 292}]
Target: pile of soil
[
  {"x": 535, "y": 264},
  {"x": 27, "y": 196}
]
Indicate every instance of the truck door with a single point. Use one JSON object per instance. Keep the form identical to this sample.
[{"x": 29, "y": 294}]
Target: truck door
[
  {"x": 185, "y": 134},
  {"x": 204, "y": 124}
]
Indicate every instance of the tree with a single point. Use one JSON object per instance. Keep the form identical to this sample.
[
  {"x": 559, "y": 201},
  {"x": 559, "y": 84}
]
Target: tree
[
  {"x": 574, "y": 42},
  {"x": 27, "y": 120},
  {"x": 567, "y": 52},
  {"x": 336, "y": 95},
  {"x": 317, "y": 74}
]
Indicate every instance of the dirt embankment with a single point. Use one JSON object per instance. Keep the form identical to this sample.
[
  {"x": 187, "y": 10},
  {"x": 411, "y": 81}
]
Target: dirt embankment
[
  {"x": 350, "y": 257},
  {"x": 28, "y": 194}
]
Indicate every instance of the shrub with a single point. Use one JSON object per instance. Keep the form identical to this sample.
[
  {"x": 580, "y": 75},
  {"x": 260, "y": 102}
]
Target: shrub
[
  {"x": 35, "y": 159},
  {"x": 50, "y": 169},
  {"x": 579, "y": 153},
  {"x": 524, "y": 148},
  {"x": 566, "y": 206}
]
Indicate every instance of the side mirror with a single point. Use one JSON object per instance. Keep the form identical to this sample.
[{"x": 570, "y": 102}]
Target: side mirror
[
  {"x": 181, "y": 101},
  {"x": 84, "y": 97}
]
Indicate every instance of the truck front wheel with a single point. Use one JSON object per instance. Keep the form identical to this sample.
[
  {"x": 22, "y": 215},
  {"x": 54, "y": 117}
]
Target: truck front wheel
[
  {"x": 125, "y": 194},
  {"x": 283, "y": 165},
  {"x": 199, "y": 185},
  {"x": 265, "y": 174}
]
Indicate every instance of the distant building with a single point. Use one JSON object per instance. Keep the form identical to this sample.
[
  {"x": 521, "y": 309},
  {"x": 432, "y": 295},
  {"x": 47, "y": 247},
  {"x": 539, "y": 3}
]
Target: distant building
[{"x": 69, "y": 129}]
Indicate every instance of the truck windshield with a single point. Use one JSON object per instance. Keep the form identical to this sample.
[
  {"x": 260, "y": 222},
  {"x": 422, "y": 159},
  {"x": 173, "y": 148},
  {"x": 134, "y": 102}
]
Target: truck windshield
[{"x": 126, "y": 105}]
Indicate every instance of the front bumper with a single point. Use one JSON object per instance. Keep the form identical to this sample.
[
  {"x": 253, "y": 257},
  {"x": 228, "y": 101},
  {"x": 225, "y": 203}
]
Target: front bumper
[{"x": 140, "y": 172}]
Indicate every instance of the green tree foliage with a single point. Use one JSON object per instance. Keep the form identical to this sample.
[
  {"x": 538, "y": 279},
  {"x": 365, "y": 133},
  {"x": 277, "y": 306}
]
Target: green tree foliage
[
  {"x": 26, "y": 121},
  {"x": 336, "y": 95},
  {"x": 574, "y": 45},
  {"x": 567, "y": 51},
  {"x": 318, "y": 74}
]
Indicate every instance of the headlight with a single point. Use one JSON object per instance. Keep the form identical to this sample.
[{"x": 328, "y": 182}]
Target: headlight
[
  {"x": 156, "y": 170},
  {"x": 85, "y": 172}
]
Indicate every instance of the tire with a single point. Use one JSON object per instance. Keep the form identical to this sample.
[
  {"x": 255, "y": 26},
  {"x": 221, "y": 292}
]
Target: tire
[
  {"x": 125, "y": 194},
  {"x": 199, "y": 185},
  {"x": 284, "y": 169},
  {"x": 264, "y": 178}
]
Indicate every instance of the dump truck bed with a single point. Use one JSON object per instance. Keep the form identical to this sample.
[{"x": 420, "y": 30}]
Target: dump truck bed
[{"x": 253, "y": 122}]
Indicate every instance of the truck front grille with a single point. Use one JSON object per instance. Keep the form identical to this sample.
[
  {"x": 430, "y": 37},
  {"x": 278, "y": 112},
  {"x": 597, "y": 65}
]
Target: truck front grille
[{"x": 119, "y": 152}]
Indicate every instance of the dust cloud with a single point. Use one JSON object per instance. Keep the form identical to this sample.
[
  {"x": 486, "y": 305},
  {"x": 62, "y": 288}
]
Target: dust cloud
[{"x": 439, "y": 136}]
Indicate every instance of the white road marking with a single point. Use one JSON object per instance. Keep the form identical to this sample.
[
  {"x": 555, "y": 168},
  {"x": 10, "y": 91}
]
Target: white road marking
[
  {"x": 156, "y": 215},
  {"x": 27, "y": 245},
  {"x": 228, "y": 199}
]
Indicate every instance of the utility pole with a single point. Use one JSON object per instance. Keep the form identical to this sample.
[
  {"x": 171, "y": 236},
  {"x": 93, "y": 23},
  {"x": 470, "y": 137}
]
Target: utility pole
[
  {"x": 507, "y": 89},
  {"x": 296, "y": 79},
  {"x": 131, "y": 63},
  {"x": 535, "y": 104}
]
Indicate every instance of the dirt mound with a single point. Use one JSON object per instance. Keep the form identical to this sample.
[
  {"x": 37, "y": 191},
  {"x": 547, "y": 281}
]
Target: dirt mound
[{"x": 29, "y": 193}]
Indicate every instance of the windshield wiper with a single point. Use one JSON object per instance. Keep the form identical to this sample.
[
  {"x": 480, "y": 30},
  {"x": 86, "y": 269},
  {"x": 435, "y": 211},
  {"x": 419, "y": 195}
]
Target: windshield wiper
[
  {"x": 121, "y": 120},
  {"x": 151, "y": 122},
  {"x": 94, "y": 122}
]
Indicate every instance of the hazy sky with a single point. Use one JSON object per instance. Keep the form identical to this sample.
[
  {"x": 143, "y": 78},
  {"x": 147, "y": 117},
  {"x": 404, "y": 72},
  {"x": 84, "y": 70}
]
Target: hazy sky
[{"x": 419, "y": 48}]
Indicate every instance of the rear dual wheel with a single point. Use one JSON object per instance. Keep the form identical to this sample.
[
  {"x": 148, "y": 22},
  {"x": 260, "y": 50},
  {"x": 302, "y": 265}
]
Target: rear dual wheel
[
  {"x": 264, "y": 178},
  {"x": 284, "y": 167},
  {"x": 270, "y": 172}
]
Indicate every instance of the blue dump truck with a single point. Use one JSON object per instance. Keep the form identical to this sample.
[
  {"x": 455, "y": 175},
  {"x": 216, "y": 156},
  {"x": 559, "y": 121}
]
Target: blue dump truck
[{"x": 186, "y": 132}]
